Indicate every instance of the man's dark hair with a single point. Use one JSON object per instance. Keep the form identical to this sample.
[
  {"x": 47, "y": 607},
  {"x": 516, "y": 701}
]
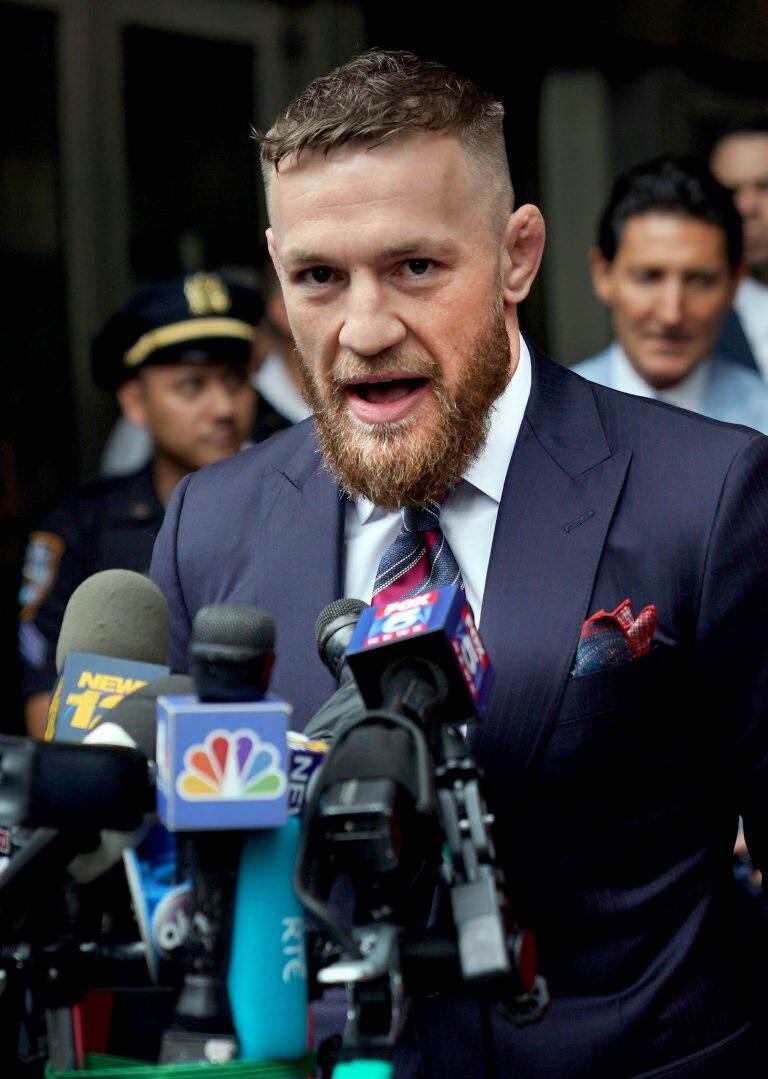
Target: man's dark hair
[
  {"x": 670, "y": 185},
  {"x": 381, "y": 95},
  {"x": 755, "y": 124}
]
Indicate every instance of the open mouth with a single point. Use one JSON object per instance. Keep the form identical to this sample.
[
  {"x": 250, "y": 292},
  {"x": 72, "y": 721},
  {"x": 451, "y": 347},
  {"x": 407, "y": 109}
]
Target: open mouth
[
  {"x": 384, "y": 392},
  {"x": 384, "y": 400}
]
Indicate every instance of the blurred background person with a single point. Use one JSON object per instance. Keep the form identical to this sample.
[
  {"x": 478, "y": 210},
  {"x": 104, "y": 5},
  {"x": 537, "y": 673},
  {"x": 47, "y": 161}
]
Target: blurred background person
[
  {"x": 177, "y": 357},
  {"x": 667, "y": 265},
  {"x": 276, "y": 376},
  {"x": 739, "y": 160}
]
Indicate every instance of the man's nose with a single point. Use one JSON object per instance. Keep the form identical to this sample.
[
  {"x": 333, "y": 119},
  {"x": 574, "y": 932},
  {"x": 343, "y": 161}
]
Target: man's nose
[
  {"x": 370, "y": 323},
  {"x": 221, "y": 401},
  {"x": 670, "y": 307}
]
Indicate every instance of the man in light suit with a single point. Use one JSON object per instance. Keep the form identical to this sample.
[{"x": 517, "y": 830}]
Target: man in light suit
[
  {"x": 739, "y": 160},
  {"x": 667, "y": 264},
  {"x": 617, "y": 792}
]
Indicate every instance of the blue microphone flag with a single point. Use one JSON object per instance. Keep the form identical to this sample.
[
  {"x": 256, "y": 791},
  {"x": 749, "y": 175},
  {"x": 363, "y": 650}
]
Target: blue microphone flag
[{"x": 438, "y": 623}]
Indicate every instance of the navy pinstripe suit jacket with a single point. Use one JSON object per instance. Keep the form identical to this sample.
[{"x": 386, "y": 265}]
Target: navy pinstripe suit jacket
[{"x": 616, "y": 794}]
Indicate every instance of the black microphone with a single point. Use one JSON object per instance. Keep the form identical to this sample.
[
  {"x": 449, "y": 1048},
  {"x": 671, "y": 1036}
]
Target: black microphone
[
  {"x": 373, "y": 811},
  {"x": 231, "y": 652},
  {"x": 69, "y": 786},
  {"x": 334, "y": 629},
  {"x": 131, "y": 723}
]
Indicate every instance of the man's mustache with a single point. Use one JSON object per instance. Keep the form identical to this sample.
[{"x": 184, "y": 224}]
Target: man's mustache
[{"x": 396, "y": 363}]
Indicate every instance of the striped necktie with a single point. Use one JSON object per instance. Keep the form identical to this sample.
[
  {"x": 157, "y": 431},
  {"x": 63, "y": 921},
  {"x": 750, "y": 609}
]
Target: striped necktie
[{"x": 418, "y": 559}]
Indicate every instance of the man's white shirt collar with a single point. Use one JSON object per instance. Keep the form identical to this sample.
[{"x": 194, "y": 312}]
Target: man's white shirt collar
[{"x": 688, "y": 393}]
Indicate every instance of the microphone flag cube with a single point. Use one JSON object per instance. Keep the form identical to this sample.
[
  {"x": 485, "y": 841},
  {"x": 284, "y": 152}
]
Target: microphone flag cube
[
  {"x": 305, "y": 755},
  {"x": 437, "y": 626},
  {"x": 90, "y": 685},
  {"x": 222, "y": 766}
]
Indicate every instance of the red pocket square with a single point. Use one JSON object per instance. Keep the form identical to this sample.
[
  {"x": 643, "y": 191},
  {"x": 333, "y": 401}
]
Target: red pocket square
[{"x": 611, "y": 638}]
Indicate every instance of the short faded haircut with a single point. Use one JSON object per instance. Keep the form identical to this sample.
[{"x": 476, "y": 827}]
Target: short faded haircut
[{"x": 381, "y": 95}]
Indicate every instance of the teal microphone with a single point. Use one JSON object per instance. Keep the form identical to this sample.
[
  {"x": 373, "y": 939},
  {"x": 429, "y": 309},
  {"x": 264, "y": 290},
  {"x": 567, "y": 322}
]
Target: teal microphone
[{"x": 267, "y": 979}]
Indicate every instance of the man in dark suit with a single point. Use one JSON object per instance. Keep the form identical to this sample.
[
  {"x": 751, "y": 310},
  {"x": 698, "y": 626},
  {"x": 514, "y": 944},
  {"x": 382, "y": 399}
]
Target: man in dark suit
[{"x": 616, "y": 792}]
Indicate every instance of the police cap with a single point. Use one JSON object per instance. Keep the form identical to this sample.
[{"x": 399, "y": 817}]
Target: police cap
[{"x": 201, "y": 318}]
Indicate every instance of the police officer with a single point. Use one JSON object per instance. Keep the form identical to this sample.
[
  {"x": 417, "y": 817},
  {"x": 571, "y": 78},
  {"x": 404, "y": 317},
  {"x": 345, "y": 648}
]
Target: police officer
[{"x": 177, "y": 357}]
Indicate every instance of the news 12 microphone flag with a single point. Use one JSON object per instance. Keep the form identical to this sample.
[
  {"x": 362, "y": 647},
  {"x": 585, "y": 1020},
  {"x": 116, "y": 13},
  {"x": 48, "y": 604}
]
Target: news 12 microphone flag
[{"x": 90, "y": 685}]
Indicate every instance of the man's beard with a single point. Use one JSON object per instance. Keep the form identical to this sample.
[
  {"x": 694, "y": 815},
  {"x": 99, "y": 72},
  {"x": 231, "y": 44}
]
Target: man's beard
[{"x": 424, "y": 455}]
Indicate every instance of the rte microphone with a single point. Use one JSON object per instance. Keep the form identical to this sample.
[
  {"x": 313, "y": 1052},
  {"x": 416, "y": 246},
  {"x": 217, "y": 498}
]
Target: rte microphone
[
  {"x": 223, "y": 773},
  {"x": 113, "y": 640}
]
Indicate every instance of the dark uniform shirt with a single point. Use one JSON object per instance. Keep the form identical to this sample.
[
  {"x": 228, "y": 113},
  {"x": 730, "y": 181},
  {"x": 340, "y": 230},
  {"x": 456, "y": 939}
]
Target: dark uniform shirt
[
  {"x": 267, "y": 420},
  {"x": 108, "y": 524}
]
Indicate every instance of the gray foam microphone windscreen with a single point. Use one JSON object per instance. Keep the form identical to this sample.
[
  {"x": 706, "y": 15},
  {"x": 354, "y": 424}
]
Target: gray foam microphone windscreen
[{"x": 116, "y": 613}]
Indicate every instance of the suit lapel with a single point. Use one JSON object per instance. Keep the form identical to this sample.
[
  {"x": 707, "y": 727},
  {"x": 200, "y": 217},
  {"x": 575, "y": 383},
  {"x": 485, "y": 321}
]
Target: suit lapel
[
  {"x": 301, "y": 523},
  {"x": 559, "y": 496}
]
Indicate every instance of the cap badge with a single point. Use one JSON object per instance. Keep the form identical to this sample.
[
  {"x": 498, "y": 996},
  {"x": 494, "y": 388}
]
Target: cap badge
[{"x": 206, "y": 294}]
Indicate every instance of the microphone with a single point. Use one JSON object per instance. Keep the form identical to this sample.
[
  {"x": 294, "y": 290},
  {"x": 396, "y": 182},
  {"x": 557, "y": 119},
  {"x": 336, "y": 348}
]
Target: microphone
[
  {"x": 422, "y": 656},
  {"x": 159, "y": 894},
  {"x": 72, "y": 787},
  {"x": 422, "y": 659},
  {"x": 334, "y": 630},
  {"x": 113, "y": 640},
  {"x": 223, "y": 768},
  {"x": 131, "y": 723}
]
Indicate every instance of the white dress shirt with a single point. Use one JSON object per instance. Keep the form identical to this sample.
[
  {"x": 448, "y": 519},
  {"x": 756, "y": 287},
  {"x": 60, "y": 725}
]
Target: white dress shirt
[
  {"x": 688, "y": 393},
  {"x": 273, "y": 383},
  {"x": 751, "y": 305},
  {"x": 468, "y": 515}
]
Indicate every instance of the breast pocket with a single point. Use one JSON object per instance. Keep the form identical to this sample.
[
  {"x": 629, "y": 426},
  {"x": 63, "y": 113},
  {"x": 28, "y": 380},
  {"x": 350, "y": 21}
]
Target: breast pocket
[
  {"x": 618, "y": 688},
  {"x": 617, "y": 743}
]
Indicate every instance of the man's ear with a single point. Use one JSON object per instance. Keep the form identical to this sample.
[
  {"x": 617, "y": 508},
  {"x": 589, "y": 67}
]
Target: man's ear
[
  {"x": 273, "y": 250},
  {"x": 522, "y": 246},
  {"x": 602, "y": 278},
  {"x": 130, "y": 397}
]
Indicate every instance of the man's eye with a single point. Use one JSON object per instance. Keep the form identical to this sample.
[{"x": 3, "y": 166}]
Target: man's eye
[
  {"x": 189, "y": 386},
  {"x": 320, "y": 275},
  {"x": 418, "y": 267}
]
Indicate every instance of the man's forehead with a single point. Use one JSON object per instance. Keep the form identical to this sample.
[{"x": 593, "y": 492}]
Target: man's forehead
[
  {"x": 670, "y": 234},
  {"x": 427, "y": 169},
  {"x": 741, "y": 152}
]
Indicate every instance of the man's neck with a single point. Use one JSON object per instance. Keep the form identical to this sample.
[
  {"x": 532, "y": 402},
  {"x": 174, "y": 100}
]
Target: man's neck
[{"x": 760, "y": 274}]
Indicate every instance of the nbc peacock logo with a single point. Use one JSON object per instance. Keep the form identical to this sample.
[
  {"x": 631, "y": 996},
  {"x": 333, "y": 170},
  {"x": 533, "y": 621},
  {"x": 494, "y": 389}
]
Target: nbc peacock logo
[{"x": 231, "y": 767}]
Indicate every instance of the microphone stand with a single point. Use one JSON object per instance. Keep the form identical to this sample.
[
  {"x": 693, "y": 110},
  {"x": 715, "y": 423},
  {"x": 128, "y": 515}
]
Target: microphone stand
[{"x": 490, "y": 952}]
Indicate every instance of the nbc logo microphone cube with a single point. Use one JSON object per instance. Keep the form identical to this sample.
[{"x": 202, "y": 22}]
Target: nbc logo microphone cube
[{"x": 222, "y": 767}]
